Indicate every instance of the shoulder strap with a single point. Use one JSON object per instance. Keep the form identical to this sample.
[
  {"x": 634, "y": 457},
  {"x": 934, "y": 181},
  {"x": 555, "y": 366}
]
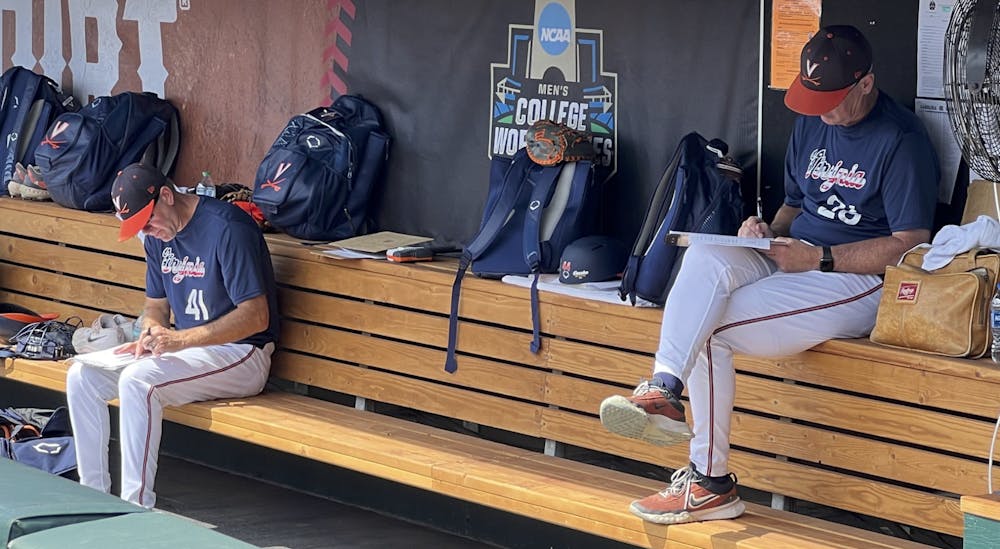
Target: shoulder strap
[
  {"x": 23, "y": 110},
  {"x": 162, "y": 152},
  {"x": 156, "y": 137},
  {"x": 169, "y": 144},
  {"x": 543, "y": 183},
  {"x": 28, "y": 128},
  {"x": 146, "y": 140},
  {"x": 513, "y": 184}
]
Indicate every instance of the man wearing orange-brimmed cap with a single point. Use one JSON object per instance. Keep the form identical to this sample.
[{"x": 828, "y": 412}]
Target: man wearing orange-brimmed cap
[
  {"x": 860, "y": 189},
  {"x": 207, "y": 262}
]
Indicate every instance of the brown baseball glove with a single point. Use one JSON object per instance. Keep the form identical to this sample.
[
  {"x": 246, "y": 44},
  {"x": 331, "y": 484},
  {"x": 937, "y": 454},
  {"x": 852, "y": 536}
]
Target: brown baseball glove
[{"x": 549, "y": 143}]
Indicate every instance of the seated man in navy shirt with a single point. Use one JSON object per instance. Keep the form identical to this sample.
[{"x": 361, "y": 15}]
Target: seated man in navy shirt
[
  {"x": 861, "y": 182},
  {"x": 208, "y": 264}
]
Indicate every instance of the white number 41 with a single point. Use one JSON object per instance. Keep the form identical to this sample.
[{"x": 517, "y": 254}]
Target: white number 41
[{"x": 196, "y": 305}]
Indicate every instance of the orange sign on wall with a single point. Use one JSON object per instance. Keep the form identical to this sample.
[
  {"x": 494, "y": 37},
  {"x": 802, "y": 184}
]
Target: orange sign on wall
[{"x": 793, "y": 23}]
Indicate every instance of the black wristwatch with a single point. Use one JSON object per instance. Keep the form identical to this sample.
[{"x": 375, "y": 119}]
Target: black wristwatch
[{"x": 826, "y": 263}]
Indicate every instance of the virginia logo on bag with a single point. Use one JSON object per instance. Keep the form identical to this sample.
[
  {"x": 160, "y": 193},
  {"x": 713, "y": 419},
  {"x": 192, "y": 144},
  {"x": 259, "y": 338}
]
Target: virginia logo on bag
[
  {"x": 276, "y": 184},
  {"x": 57, "y": 128},
  {"x": 908, "y": 291}
]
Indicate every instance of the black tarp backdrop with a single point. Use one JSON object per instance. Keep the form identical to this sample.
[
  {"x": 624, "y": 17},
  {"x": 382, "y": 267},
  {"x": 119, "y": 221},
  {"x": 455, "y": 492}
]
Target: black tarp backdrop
[{"x": 681, "y": 66}]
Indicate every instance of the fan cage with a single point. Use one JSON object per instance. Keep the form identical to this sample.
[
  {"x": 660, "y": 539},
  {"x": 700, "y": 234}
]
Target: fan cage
[{"x": 974, "y": 114}]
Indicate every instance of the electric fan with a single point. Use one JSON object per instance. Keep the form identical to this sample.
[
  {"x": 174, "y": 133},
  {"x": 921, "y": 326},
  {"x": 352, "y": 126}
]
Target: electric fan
[{"x": 972, "y": 83}]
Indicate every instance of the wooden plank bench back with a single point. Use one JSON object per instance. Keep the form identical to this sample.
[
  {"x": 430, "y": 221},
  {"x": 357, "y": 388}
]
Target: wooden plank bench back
[{"x": 886, "y": 433}]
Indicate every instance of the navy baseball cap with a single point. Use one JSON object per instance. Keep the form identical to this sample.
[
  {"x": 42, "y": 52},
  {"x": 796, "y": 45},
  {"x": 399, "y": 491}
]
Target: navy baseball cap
[
  {"x": 832, "y": 62},
  {"x": 134, "y": 195}
]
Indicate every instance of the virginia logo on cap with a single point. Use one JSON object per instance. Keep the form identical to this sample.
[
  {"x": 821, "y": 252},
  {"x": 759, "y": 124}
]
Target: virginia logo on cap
[
  {"x": 832, "y": 61},
  {"x": 810, "y": 67}
]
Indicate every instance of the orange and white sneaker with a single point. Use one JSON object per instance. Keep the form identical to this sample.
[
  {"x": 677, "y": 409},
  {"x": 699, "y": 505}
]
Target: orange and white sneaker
[
  {"x": 652, "y": 414},
  {"x": 687, "y": 499},
  {"x": 33, "y": 187}
]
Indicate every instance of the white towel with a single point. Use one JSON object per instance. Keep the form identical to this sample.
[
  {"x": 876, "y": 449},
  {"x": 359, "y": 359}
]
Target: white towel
[{"x": 952, "y": 240}]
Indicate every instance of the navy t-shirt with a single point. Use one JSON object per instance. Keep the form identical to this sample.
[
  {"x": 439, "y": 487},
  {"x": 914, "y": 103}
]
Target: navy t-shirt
[
  {"x": 218, "y": 260},
  {"x": 862, "y": 181}
]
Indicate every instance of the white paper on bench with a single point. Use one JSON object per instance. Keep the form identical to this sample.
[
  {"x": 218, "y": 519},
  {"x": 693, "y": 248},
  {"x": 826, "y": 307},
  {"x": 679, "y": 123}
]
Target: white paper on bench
[{"x": 601, "y": 291}]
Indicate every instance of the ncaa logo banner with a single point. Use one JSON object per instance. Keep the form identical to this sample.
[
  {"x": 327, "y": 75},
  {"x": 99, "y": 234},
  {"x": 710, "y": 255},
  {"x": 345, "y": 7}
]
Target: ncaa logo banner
[{"x": 554, "y": 71}]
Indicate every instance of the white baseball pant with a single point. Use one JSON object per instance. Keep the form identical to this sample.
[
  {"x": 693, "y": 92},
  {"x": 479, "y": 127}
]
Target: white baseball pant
[
  {"x": 728, "y": 299},
  {"x": 143, "y": 388}
]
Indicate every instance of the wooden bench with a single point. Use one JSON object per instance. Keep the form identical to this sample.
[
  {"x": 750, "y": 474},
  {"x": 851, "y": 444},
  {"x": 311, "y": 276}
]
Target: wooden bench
[{"x": 850, "y": 425}]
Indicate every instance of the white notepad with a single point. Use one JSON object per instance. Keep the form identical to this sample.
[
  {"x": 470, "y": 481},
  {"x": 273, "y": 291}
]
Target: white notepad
[{"x": 107, "y": 359}]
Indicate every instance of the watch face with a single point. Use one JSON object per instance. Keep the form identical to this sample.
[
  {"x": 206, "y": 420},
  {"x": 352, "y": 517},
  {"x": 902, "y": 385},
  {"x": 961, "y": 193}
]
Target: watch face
[{"x": 826, "y": 263}]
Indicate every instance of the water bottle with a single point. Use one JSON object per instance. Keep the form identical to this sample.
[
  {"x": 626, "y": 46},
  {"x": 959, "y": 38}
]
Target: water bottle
[
  {"x": 205, "y": 186},
  {"x": 995, "y": 325},
  {"x": 136, "y": 329}
]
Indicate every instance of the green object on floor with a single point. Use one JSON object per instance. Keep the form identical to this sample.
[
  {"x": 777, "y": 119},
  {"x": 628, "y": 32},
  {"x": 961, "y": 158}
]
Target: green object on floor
[
  {"x": 153, "y": 530},
  {"x": 980, "y": 532},
  {"x": 33, "y": 500},
  {"x": 39, "y": 510}
]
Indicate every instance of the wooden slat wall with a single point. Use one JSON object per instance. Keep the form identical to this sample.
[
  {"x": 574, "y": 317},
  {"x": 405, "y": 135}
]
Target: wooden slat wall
[{"x": 849, "y": 424}]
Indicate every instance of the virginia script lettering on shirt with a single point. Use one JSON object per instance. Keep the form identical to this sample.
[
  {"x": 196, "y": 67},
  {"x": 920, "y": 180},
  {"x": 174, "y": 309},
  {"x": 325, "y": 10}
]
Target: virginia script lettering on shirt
[{"x": 181, "y": 268}]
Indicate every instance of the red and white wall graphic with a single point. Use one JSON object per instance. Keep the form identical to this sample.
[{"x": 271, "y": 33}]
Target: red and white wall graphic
[{"x": 338, "y": 31}]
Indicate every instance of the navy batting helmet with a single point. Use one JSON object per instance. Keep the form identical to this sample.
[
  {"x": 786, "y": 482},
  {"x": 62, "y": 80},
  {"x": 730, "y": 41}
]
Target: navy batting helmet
[{"x": 592, "y": 259}]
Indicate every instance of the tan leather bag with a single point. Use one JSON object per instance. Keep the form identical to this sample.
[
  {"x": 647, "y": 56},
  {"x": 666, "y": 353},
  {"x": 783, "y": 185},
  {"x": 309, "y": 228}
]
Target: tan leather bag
[{"x": 944, "y": 312}]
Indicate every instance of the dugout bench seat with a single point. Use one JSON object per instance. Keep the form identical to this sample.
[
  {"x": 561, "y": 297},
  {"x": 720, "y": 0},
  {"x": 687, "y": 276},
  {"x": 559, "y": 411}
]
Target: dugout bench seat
[{"x": 886, "y": 433}]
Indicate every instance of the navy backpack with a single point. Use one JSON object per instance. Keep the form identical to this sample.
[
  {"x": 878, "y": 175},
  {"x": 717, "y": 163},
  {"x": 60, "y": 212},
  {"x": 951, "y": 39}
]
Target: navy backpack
[
  {"x": 28, "y": 104},
  {"x": 318, "y": 180},
  {"x": 84, "y": 151},
  {"x": 700, "y": 193},
  {"x": 532, "y": 212}
]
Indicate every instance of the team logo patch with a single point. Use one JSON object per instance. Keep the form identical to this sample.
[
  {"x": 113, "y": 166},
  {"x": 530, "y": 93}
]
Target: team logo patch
[
  {"x": 908, "y": 292},
  {"x": 565, "y": 269},
  {"x": 275, "y": 182},
  {"x": 49, "y": 448},
  {"x": 57, "y": 128}
]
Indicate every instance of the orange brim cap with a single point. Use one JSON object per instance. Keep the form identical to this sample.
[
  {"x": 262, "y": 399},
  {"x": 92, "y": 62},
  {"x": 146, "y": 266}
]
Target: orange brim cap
[
  {"x": 28, "y": 319},
  {"x": 813, "y": 102},
  {"x": 134, "y": 223}
]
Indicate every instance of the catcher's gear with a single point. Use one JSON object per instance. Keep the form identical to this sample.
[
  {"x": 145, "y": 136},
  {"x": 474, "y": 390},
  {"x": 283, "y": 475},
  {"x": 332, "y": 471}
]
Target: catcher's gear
[
  {"x": 47, "y": 340},
  {"x": 549, "y": 143},
  {"x": 14, "y": 317}
]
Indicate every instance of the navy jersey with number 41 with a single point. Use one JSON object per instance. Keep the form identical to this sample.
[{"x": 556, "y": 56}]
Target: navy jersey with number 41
[{"x": 219, "y": 259}]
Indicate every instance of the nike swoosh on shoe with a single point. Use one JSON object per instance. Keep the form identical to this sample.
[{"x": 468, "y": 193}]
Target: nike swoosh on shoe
[{"x": 695, "y": 502}]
